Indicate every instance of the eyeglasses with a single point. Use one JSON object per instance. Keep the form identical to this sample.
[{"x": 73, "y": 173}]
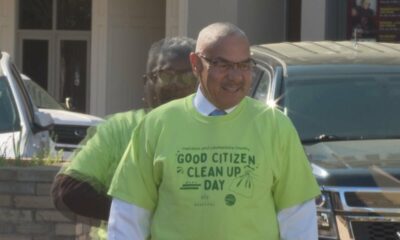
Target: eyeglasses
[
  {"x": 224, "y": 65},
  {"x": 169, "y": 76}
]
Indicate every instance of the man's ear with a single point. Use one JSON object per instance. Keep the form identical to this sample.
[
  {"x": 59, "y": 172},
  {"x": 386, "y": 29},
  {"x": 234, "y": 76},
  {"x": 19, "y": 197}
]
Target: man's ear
[{"x": 196, "y": 63}]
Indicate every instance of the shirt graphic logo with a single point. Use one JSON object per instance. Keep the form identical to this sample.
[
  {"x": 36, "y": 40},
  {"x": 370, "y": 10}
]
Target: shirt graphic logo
[
  {"x": 225, "y": 169},
  {"x": 230, "y": 200}
]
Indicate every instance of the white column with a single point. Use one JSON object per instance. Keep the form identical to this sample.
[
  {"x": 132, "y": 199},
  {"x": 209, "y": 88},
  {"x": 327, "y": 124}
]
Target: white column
[
  {"x": 8, "y": 26},
  {"x": 133, "y": 25},
  {"x": 99, "y": 59},
  {"x": 188, "y": 17},
  {"x": 122, "y": 32},
  {"x": 176, "y": 18},
  {"x": 313, "y": 20}
]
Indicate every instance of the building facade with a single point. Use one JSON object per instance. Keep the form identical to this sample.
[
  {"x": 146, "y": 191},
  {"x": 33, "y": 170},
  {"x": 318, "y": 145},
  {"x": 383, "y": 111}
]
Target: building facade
[{"x": 93, "y": 52}]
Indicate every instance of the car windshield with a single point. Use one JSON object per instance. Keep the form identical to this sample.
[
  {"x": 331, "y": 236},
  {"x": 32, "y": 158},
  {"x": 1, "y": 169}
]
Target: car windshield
[
  {"x": 40, "y": 97},
  {"x": 344, "y": 107},
  {"x": 9, "y": 120}
]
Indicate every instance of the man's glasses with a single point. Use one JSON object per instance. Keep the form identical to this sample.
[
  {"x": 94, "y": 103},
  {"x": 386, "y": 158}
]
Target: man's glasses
[
  {"x": 169, "y": 76},
  {"x": 224, "y": 65}
]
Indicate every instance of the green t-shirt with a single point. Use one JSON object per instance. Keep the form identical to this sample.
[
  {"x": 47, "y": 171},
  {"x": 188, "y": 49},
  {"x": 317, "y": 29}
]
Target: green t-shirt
[
  {"x": 220, "y": 177},
  {"x": 97, "y": 160}
]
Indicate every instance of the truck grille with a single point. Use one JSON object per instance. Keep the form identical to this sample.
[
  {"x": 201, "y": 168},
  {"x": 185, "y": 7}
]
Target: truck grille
[
  {"x": 376, "y": 230},
  {"x": 69, "y": 134},
  {"x": 373, "y": 199},
  {"x": 366, "y": 213}
]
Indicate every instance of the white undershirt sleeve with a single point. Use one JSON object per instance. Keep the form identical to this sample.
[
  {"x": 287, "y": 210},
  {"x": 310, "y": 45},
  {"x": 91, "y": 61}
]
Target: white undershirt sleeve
[
  {"x": 128, "y": 221},
  {"x": 299, "y": 222}
]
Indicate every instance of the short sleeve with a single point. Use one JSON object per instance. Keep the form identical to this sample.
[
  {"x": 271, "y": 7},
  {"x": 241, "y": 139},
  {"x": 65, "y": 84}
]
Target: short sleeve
[
  {"x": 92, "y": 162},
  {"x": 295, "y": 183},
  {"x": 133, "y": 181},
  {"x": 95, "y": 162}
]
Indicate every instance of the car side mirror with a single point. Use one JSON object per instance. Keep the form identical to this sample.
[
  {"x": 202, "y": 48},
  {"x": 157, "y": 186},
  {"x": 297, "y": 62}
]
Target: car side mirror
[{"x": 43, "y": 120}]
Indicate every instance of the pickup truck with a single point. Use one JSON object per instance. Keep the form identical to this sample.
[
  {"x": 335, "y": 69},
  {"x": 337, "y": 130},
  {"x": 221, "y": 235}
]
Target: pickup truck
[{"x": 344, "y": 100}]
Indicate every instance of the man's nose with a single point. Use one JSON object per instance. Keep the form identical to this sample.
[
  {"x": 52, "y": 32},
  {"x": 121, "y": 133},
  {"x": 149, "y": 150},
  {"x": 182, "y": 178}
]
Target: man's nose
[{"x": 235, "y": 73}]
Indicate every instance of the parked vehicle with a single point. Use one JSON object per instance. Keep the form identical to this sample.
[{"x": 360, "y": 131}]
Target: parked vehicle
[
  {"x": 31, "y": 121},
  {"x": 24, "y": 130},
  {"x": 344, "y": 100},
  {"x": 69, "y": 127}
]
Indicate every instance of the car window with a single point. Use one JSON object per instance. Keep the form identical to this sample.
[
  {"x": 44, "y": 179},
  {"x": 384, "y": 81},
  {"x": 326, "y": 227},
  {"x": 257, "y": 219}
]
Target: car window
[
  {"x": 354, "y": 107},
  {"x": 40, "y": 97},
  {"x": 261, "y": 83},
  {"x": 9, "y": 120}
]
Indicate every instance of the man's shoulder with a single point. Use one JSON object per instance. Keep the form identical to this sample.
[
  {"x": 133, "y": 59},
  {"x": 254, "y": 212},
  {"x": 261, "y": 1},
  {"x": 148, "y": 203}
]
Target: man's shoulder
[
  {"x": 171, "y": 107},
  {"x": 253, "y": 103},
  {"x": 265, "y": 112},
  {"x": 262, "y": 108},
  {"x": 123, "y": 118},
  {"x": 122, "y": 121},
  {"x": 128, "y": 115}
]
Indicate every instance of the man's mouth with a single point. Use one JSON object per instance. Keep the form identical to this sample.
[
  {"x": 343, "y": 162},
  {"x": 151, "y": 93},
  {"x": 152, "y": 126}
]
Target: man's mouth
[{"x": 231, "y": 88}]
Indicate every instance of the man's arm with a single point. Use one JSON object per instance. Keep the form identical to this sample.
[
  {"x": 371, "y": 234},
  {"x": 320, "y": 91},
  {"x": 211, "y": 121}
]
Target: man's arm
[
  {"x": 296, "y": 187},
  {"x": 299, "y": 222},
  {"x": 81, "y": 187},
  {"x": 128, "y": 221},
  {"x": 71, "y": 195}
]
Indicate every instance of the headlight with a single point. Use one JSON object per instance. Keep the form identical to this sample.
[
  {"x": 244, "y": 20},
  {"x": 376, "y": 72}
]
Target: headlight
[{"x": 326, "y": 219}]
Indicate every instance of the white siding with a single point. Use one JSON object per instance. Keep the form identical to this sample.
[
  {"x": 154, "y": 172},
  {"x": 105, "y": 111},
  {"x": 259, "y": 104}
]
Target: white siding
[
  {"x": 313, "y": 20},
  {"x": 126, "y": 30},
  {"x": 262, "y": 20},
  {"x": 7, "y": 26}
]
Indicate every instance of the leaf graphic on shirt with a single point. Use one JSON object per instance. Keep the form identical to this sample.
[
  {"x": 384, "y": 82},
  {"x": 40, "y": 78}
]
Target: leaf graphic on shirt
[
  {"x": 239, "y": 182},
  {"x": 244, "y": 183},
  {"x": 180, "y": 170}
]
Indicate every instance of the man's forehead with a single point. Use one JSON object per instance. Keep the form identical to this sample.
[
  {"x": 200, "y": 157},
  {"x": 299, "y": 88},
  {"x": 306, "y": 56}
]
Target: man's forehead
[
  {"x": 230, "y": 48},
  {"x": 215, "y": 33}
]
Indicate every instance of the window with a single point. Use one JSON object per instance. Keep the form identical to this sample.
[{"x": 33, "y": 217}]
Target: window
[
  {"x": 35, "y": 14},
  {"x": 353, "y": 107},
  {"x": 36, "y": 60},
  {"x": 54, "y": 41},
  {"x": 40, "y": 97},
  {"x": 74, "y": 14},
  {"x": 40, "y": 14},
  {"x": 9, "y": 120},
  {"x": 261, "y": 83}
]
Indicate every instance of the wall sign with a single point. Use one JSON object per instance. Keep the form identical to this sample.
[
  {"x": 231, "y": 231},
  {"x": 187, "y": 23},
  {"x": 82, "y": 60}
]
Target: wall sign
[{"x": 374, "y": 20}]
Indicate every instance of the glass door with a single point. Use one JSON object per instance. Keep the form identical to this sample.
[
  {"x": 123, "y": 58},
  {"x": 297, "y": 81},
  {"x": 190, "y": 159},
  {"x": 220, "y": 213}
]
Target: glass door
[
  {"x": 35, "y": 60},
  {"x": 73, "y": 73},
  {"x": 54, "y": 47}
]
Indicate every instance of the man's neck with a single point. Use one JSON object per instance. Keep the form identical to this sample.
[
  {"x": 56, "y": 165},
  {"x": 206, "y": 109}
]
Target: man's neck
[{"x": 204, "y": 106}]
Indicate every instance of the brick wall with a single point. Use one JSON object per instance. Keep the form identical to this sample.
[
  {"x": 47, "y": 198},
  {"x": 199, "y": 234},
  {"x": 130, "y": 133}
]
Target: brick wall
[{"x": 26, "y": 209}]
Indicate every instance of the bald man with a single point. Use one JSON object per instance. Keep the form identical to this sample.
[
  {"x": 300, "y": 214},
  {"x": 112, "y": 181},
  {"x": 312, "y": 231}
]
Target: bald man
[{"x": 216, "y": 164}]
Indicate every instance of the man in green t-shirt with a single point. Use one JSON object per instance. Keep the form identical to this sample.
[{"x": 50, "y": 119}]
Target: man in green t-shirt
[
  {"x": 81, "y": 187},
  {"x": 216, "y": 164}
]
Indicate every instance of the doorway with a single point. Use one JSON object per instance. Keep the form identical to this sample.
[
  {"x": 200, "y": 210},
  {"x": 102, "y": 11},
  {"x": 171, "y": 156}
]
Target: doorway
[{"x": 54, "y": 47}]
